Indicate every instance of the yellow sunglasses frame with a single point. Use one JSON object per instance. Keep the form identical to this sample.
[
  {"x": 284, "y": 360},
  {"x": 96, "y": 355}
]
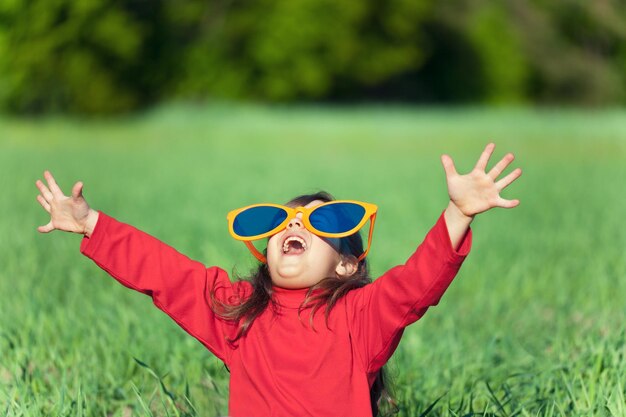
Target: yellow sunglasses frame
[{"x": 292, "y": 212}]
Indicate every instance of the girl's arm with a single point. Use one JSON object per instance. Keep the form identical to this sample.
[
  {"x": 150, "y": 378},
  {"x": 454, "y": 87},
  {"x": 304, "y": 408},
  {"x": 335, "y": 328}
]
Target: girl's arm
[
  {"x": 402, "y": 295},
  {"x": 178, "y": 285},
  {"x": 382, "y": 310}
]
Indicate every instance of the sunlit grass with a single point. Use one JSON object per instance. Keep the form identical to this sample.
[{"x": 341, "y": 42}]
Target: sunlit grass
[{"x": 532, "y": 326}]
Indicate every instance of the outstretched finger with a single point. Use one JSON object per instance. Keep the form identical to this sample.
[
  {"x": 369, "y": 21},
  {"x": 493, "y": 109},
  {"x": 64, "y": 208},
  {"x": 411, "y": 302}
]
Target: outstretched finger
[
  {"x": 501, "y": 166},
  {"x": 54, "y": 187},
  {"x": 46, "y": 229},
  {"x": 506, "y": 181},
  {"x": 507, "y": 203},
  {"x": 448, "y": 166},
  {"x": 43, "y": 203},
  {"x": 77, "y": 190},
  {"x": 45, "y": 192},
  {"x": 484, "y": 157}
]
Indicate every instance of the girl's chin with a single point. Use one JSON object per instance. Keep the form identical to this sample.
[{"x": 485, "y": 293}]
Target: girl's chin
[{"x": 289, "y": 272}]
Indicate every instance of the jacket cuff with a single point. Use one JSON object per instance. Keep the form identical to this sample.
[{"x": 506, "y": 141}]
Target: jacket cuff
[
  {"x": 458, "y": 255},
  {"x": 89, "y": 245}
]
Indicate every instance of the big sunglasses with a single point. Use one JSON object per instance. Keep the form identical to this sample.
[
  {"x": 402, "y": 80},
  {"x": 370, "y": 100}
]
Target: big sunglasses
[{"x": 333, "y": 219}]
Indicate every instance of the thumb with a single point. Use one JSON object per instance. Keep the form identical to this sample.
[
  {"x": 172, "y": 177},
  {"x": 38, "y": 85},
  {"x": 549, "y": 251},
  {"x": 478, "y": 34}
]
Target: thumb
[
  {"x": 46, "y": 229},
  {"x": 77, "y": 190}
]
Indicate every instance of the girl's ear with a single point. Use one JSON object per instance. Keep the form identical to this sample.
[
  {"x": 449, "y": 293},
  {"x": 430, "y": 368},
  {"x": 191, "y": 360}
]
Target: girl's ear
[{"x": 347, "y": 266}]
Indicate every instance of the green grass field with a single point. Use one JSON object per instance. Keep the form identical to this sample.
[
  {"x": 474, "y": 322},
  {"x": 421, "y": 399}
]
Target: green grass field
[{"x": 534, "y": 324}]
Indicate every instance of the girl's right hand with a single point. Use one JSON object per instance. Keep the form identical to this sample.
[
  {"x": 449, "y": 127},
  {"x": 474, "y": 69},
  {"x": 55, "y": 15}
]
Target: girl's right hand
[{"x": 70, "y": 214}]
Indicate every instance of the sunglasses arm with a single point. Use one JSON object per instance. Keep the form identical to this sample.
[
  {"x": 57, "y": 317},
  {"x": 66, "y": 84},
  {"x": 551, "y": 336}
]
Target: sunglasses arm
[
  {"x": 255, "y": 252},
  {"x": 369, "y": 238}
]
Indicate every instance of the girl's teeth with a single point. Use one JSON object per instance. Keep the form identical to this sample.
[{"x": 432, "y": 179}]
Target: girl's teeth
[{"x": 293, "y": 239}]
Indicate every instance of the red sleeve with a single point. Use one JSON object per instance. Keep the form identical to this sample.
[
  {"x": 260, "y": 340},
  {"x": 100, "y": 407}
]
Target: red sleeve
[
  {"x": 381, "y": 310},
  {"x": 178, "y": 285}
]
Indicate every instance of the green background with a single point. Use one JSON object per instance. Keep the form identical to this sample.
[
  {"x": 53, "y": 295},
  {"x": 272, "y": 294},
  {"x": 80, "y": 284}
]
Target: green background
[{"x": 532, "y": 326}]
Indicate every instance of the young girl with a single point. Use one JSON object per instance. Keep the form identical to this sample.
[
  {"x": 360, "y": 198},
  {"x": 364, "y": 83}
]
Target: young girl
[{"x": 309, "y": 333}]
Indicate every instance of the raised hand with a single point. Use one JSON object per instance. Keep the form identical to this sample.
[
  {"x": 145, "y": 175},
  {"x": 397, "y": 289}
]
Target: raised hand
[
  {"x": 479, "y": 190},
  {"x": 70, "y": 214},
  {"x": 475, "y": 192}
]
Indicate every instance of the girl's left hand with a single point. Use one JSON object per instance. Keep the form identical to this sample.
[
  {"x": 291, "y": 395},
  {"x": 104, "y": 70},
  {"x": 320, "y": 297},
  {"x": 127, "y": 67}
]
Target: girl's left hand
[{"x": 479, "y": 191}]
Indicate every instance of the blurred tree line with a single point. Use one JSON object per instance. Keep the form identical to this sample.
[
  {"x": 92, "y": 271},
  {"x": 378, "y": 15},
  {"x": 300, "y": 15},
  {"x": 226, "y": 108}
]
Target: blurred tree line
[{"x": 106, "y": 56}]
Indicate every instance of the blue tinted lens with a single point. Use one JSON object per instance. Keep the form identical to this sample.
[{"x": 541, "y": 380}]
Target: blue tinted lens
[
  {"x": 337, "y": 218},
  {"x": 258, "y": 220}
]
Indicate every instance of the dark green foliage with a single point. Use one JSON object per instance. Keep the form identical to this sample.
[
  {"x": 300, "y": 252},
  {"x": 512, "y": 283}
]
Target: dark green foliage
[
  {"x": 570, "y": 51},
  {"x": 285, "y": 50},
  {"x": 474, "y": 53},
  {"x": 68, "y": 55},
  {"x": 98, "y": 56},
  {"x": 576, "y": 49}
]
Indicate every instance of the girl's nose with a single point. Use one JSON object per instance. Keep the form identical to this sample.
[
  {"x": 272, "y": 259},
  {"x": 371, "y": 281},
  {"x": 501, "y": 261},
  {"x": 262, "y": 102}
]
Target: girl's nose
[{"x": 295, "y": 223}]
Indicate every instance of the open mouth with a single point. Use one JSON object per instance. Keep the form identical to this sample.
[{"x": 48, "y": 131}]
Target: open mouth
[{"x": 294, "y": 245}]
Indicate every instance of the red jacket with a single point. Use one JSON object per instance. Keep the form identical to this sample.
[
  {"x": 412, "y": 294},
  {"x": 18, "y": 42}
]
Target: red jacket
[{"x": 282, "y": 367}]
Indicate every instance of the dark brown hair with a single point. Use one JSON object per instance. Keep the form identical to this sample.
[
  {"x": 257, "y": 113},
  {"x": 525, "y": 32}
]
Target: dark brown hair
[{"x": 324, "y": 294}]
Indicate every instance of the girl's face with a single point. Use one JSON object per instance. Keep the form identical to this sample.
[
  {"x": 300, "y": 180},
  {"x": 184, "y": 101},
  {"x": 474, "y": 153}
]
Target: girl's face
[{"x": 296, "y": 258}]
